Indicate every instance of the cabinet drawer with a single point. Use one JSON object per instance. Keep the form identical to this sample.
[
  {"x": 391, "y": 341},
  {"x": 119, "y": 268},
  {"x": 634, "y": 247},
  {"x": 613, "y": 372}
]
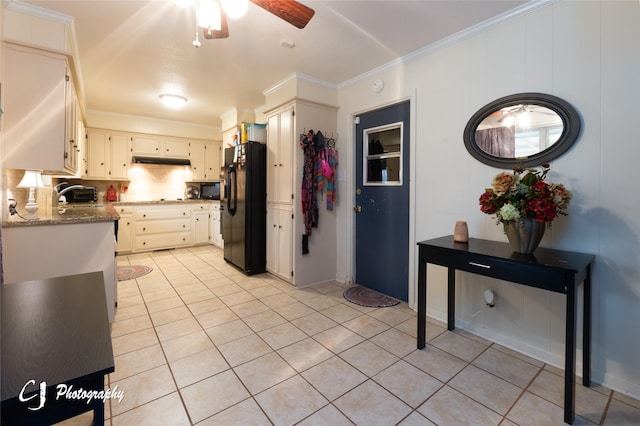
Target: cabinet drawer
[
  {"x": 124, "y": 210},
  {"x": 163, "y": 213},
  {"x": 146, "y": 227},
  {"x": 161, "y": 241}
]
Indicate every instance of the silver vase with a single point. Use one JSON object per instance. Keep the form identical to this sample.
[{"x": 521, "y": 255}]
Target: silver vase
[{"x": 524, "y": 235}]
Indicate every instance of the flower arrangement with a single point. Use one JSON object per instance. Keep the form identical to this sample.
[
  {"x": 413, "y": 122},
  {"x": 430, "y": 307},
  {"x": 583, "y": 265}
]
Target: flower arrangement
[{"x": 525, "y": 194}]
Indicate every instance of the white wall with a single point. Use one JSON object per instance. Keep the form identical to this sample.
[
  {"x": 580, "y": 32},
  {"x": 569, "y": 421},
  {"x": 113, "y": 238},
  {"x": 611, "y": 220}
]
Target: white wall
[{"x": 587, "y": 53}]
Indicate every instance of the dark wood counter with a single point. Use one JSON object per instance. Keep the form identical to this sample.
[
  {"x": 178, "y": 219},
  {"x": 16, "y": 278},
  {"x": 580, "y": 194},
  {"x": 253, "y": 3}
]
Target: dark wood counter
[{"x": 55, "y": 331}]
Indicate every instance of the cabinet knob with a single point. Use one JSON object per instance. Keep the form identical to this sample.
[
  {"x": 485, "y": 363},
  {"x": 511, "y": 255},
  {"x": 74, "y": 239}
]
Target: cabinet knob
[
  {"x": 144, "y": 215},
  {"x": 144, "y": 229}
]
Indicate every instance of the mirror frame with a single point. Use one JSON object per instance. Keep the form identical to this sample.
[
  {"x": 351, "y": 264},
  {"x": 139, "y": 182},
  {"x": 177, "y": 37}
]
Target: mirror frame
[{"x": 570, "y": 131}]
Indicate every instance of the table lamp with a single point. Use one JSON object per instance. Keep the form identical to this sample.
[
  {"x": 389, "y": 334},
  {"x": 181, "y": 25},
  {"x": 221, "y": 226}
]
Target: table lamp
[{"x": 32, "y": 179}]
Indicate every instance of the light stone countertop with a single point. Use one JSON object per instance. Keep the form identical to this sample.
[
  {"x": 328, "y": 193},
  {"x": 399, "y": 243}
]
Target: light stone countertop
[{"x": 65, "y": 215}]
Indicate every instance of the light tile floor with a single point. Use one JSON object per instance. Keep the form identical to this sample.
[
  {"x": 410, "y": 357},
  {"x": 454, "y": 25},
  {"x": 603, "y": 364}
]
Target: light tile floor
[{"x": 197, "y": 342}]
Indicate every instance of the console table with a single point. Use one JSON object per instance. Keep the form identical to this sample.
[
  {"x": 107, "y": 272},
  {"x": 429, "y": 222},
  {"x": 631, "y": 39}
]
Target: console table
[
  {"x": 54, "y": 331},
  {"x": 553, "y": 270}
]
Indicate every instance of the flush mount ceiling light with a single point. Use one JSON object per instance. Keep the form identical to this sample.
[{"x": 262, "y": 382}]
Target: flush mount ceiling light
[
  {"x": 173, "y": 101},
  {"x": 211, "y": 15}
]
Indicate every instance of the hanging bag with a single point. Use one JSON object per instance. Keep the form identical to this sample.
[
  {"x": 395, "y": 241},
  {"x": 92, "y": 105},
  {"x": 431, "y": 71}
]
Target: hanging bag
[{"x": 327, "y": 171}]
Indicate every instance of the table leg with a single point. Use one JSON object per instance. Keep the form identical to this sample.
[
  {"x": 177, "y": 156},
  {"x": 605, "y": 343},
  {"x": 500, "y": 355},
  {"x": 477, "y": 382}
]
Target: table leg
[
  {"x": 570, "y": 354},
  {"x": 586, "y": 331},
  {"x": 451, "y": 299},
  {"x": 98, "y": 414},
  {"x": 422, "y": 303}
]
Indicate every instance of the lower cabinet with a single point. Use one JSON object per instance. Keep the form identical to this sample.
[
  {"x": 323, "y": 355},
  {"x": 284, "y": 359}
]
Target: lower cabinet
[
  {"x": 162, "y": 227},
  {"x": 279, "y": 241},
  {"x": 215, "y": 226},
  {"x": 200, "y": 224},
  {"x": 125, "y": 229},
  {"x": 146, "y": 227}
]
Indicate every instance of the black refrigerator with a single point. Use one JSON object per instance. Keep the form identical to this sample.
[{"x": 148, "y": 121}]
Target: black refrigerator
[{"x": 244, "y": 212}]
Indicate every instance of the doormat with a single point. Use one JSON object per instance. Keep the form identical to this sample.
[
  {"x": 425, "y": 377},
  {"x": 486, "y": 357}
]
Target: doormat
[
  {"x": 131, "y": 272},
  {"x": 370, "y": 298}
]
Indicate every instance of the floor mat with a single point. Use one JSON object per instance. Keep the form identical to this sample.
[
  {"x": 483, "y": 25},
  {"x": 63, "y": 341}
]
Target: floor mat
[
  {"x": 366, "y": 297},
  {"x": 131, "y": 272}
]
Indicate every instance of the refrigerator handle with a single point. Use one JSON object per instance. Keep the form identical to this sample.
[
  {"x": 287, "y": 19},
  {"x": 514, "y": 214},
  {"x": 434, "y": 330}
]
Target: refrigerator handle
[{"x": 232, "y": 191}]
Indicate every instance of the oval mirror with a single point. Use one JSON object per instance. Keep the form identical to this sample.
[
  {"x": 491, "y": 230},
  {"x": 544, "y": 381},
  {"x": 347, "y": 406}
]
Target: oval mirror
[{"x": 525, "y": 129}]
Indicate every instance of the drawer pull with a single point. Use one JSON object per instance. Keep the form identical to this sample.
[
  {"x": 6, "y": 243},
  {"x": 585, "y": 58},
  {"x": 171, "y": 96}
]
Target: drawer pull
[{"x": 480, "y": 265}]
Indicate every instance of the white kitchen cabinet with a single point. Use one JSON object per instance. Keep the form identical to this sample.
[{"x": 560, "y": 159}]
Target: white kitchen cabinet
[
  {"x": 280, "y": 242},
  {"x": 215, "y": 225},
  {"x": 108, "y": 155},
  {"x": 162, "y": 226},
  {"x": 205, "y": 160},
  {"x": 160, "y": 146},
  {"x": 280, "y": 148},
  {"x": 200, "y": 223},
  {"x": 125, "y": 229},
  {"x": 39, "y": 111}
]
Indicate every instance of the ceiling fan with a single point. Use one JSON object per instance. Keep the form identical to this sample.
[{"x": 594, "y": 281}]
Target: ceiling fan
[{"x": 212, "y": 14}]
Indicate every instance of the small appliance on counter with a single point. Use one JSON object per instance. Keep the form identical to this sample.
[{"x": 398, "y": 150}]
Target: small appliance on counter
[
  {"x": 192, "y": 192},
  {"x": 210, "y": 191},
  {"x": 84, "y": 194},
  {"x": 112, "y": 194}
]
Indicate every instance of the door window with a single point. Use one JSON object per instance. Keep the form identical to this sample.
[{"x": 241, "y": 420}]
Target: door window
[{"x": 382, "y": 152}]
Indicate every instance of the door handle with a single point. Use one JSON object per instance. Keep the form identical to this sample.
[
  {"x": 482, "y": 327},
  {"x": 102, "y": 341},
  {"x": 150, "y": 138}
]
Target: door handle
[{"x": 357, "y": 209}]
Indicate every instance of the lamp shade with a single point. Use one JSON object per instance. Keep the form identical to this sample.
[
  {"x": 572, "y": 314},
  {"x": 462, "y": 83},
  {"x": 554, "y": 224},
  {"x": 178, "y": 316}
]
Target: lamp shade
[{"x": 31, "y": 179}]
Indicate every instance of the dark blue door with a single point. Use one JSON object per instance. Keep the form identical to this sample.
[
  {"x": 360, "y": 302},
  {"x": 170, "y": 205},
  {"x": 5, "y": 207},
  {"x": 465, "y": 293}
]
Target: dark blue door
[{"x": 382, "y": 200}]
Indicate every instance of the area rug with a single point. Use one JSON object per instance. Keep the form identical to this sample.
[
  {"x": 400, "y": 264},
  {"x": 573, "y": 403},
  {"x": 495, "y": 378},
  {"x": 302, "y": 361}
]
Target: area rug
[
  {"x": 366, "y": 297},
  {"x": 131, "y": 272}
]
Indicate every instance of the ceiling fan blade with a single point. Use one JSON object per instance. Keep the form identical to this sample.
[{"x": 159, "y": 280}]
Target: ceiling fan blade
[
  {"x": 291, "y": 11},
  {"x": 222, "y": 33}
]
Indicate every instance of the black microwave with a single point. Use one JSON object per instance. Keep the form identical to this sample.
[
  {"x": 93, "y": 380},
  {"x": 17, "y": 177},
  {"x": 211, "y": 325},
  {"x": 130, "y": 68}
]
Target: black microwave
[{"x": 210, "y": 190}]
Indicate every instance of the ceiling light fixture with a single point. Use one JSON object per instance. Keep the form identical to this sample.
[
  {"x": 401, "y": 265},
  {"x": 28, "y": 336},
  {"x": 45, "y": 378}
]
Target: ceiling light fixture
[
  {"x": 173, "y": 101},
  {"x": 235, "y": 9}
]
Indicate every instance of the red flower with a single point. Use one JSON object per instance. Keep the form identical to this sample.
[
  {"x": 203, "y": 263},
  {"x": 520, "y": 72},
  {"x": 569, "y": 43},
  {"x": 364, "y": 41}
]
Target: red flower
[{"x": 486, "y": 203}]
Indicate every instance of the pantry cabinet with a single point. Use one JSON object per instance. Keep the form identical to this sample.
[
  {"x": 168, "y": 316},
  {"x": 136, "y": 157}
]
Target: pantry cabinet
[
  {"x": 280, "y": 148},
  {"x": 279, "y": 241},
  {"x": 108, "y": 155},
  {"x": 205, "y": 161},
  {"x": 39, "y": 106}
]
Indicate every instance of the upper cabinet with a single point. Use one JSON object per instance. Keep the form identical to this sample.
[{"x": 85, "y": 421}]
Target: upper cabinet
[
  {"x": 205, "y": 160},
  {"x": 280, "y": 148},
  {"x": 108, "y": 155},
  {"x": 156, "y": 146},
  {"x": 40, "y": 112}
]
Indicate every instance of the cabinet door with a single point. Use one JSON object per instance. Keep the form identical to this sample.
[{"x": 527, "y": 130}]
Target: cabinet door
[
  {"x": 285, "y": 246},
  {"x": 285, "y": 154},
  {"x": 279, "y": 244},
  {"x": 144, "y": 145},
  {"x": 97, "y": 154},
  {"x": 212, "y": 161},
  {"x": 34, "y": 107},
  {"x": 201, "y": 227},
  {"x": 279, "y": 157},
  {"x": 125, "y": 233},
  {"x": 174, "y": 148},
  {"x": 71, "y": 124},
  {"x": 120, "y": 156},
  {"x": 197, "y": 157}
]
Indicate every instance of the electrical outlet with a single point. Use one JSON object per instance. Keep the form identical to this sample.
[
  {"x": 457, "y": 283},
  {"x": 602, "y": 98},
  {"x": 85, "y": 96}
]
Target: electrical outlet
[{"x": 13, "y": 204}]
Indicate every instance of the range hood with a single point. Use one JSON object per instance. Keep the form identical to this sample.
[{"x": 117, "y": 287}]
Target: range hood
[{"x": 161, "y": 160}]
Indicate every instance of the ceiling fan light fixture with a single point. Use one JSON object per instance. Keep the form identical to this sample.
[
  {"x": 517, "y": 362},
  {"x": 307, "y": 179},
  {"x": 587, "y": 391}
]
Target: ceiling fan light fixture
[
  {"x": 173, "y": 101},
  {"x": 209, "y": 15},
  {"x": 235, "y": 9}
]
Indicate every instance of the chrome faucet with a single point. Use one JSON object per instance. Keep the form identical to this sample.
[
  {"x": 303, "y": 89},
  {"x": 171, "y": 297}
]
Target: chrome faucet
[{"x": 57, "y": 194}]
